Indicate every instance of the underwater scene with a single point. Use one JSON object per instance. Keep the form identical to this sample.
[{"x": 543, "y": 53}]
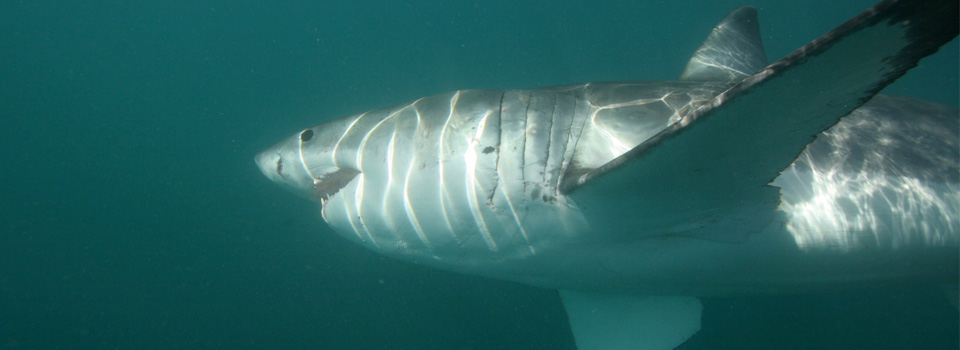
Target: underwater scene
[{"x": 135, "y": 216}]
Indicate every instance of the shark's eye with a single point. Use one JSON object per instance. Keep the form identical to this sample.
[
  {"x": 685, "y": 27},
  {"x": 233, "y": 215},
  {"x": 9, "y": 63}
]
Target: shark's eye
[
  {"x": 306, "y": 135},
  {"x": 280, "y": 166}
]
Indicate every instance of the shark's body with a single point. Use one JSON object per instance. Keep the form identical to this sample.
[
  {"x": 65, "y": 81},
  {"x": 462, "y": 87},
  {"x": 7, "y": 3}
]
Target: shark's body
[{"x": 685, "y": 188}]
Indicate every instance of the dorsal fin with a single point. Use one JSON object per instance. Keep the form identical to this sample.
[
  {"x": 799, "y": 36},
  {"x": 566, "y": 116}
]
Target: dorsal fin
[{"x": 732, "y": 52}]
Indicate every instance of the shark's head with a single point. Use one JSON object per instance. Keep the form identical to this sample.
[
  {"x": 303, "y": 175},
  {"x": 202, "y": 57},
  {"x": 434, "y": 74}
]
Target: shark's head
[{"x": 307, "y": 163}]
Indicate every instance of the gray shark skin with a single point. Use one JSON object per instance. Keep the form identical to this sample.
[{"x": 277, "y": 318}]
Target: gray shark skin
[{"x": 738, "y": 178}]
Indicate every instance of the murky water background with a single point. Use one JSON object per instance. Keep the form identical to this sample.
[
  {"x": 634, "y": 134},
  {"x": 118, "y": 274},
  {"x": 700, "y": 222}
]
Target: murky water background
[{"x": 133, "y": 215}]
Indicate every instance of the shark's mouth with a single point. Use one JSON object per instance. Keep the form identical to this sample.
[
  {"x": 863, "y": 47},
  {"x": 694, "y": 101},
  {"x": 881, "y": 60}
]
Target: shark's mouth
[{"x": 329, "y": 184}]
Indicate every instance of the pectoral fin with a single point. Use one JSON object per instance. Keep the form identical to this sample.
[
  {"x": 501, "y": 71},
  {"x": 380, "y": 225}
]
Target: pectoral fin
[
  {"x": 621, "y": 322},
  {"x": 709, "y": 173}
]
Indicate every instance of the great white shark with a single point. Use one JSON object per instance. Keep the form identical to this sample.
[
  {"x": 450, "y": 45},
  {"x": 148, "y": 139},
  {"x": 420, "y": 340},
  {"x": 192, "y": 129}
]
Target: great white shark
[{"x": 635, "y": 198}]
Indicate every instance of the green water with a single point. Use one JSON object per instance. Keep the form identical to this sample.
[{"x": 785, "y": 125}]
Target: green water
[{"x": 133, "y": 215}]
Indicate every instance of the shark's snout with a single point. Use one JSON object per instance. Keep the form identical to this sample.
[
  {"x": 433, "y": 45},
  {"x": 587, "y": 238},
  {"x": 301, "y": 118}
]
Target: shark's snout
[
  {"x": 281, "y": 164},
  {"x": 270, "y": 164}
]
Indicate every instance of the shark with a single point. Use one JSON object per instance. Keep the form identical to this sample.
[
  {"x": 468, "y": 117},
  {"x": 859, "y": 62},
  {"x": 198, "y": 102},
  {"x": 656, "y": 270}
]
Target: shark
[{"x": 635, "y": 199}]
